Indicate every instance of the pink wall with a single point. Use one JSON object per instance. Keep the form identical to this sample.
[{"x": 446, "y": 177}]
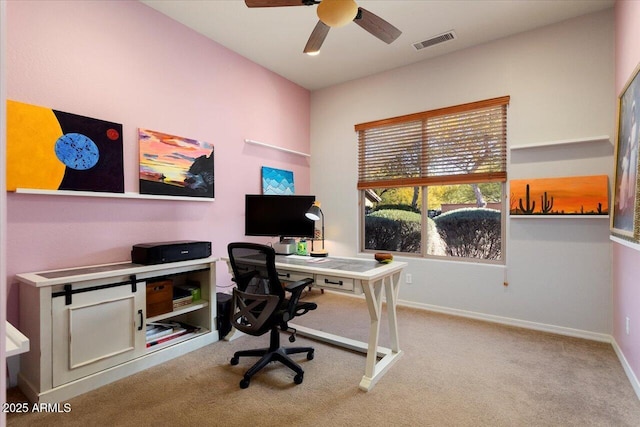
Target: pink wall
[
  {"x": 626, "y": 261},
  {"x": 124, "y": 62}
]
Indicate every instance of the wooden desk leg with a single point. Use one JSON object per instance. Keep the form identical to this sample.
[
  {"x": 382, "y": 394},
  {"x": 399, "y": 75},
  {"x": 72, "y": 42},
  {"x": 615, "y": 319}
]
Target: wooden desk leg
[{"x": 375, "y": 369}]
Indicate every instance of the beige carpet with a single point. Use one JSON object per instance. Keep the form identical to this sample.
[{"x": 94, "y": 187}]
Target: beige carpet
[{"x": 455, "y": 372}]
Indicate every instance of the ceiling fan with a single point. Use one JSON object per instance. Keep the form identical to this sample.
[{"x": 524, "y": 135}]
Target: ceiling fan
[{"x": 335, "y": 13}]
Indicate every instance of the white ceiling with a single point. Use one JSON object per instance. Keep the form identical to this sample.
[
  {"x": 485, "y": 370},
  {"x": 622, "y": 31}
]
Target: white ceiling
[{"x": 274, "y": 37}]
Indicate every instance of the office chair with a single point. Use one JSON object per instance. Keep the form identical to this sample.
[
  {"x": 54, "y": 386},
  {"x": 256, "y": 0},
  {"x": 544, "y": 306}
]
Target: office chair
[{"x": 260, "y": 305}]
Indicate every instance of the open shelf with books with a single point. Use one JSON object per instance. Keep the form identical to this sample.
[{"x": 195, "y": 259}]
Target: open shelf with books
[
  {"x": 174, "y": 336},
  {"x": 177, "y": 309}
]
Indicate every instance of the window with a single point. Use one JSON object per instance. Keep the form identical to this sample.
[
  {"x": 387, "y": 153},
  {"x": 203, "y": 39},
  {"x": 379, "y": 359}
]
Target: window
[{"x": 433, "y": 183}]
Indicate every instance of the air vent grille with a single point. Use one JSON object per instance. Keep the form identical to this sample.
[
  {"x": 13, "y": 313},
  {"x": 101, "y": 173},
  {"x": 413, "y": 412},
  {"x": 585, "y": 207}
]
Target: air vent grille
[{"x": 440, "y": 38}]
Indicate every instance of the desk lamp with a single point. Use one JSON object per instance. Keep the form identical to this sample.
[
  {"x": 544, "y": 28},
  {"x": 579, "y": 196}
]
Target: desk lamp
[{"x": 315, "y": 213}]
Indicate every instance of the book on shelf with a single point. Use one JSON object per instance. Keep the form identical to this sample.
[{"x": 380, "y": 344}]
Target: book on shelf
[
  {"x": 178, "y": 329},
  {"x": 181, "y": 302},
  {"x": 157, "y": 331}
]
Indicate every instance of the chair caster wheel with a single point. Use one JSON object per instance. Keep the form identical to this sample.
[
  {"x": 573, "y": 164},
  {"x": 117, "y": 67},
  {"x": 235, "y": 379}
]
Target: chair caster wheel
[
  {"x": 292, "y": 338},
  {"x": 310, "y": 355},
  {"x": 298, "y": 378},
  {"x": 234, "y": 361},
  {"x": 244, "y": 383}
]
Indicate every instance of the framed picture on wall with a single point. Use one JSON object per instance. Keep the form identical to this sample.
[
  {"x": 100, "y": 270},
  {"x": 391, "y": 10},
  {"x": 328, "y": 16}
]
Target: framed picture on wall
[
  {"x": 277, "y": 181},
  {"x": 576, "y": 196},
  {"x": 54, "y": 150},
  {"x": 173, "y": 165},
  {"x": 625, "y": 210}
]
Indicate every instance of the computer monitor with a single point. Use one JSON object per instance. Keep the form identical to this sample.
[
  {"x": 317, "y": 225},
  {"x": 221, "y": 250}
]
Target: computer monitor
[{"x": 281, "y": 216}]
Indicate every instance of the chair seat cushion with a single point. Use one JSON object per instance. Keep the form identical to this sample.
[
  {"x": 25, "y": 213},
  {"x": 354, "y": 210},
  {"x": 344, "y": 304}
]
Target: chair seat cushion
[{"x": 301, "y": 308}]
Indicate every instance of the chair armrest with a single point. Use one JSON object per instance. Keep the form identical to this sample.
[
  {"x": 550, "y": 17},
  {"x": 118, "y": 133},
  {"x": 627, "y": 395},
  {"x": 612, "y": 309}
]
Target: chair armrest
[
  {"x": 293, "y": 286},
  {"x": 296, "y": 289}
]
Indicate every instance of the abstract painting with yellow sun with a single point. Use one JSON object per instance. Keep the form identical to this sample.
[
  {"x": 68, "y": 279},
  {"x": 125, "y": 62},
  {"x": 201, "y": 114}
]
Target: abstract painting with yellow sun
[
  {"x": 175, "y": 166},
  {"x": 576, "y": 195},
  {"x": 52, "y": 150}
]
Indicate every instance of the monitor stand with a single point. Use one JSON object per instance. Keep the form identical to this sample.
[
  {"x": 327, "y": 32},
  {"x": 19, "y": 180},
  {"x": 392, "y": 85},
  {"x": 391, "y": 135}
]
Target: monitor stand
[{"x": 285, "y": 246}]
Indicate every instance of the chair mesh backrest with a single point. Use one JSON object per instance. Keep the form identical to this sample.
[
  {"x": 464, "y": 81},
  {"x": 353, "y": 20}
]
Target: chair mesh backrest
[
  {"x": 254, "y": 269},
  {"x": 252, "y": 313},
  {"x": 259, "y": 291}
]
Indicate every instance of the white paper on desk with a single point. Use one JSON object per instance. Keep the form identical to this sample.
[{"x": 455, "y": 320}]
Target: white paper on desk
[
  {"x": 302, "y": 257},
  {"x": 308, "y": 258}
]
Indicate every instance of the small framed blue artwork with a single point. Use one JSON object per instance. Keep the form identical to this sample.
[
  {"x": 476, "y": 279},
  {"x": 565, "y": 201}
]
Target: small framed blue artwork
[{"x": 277, "y": 181}]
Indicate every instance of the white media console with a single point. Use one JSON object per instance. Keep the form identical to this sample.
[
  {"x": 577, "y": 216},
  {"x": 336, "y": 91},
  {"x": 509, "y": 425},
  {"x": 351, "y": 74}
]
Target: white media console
[{"x": 87, "y": 325}]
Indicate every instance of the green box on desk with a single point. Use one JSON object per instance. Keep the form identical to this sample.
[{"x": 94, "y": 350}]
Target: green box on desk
[{"x": 194, "y": 289}]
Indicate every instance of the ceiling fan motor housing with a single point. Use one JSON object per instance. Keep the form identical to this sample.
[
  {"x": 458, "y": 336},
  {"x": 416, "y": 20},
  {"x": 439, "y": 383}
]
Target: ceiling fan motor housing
[{"x": 337, "y": 13}]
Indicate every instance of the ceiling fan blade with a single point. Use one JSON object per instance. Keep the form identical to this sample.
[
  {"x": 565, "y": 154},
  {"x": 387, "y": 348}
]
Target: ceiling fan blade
[
  {"x": 316, "y": 38},
  {"x": 278, "y": 3},
  {"x": 377, "y": 26}
]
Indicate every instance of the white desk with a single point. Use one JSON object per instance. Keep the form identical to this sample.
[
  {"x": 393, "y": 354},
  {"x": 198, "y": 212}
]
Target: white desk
[
  {"x": 350, "y": 274},
  {"x": 16, "y": 342}
]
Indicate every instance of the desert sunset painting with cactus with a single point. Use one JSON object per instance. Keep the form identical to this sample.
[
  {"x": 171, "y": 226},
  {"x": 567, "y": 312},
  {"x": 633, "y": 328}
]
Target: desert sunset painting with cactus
[{"x": 576, "y": 195}]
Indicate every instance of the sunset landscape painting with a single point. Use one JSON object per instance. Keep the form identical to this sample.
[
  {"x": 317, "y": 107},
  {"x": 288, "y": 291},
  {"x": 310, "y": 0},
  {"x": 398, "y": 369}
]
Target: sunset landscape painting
[
  {"x": 175, "y": 166},
  {"x": 576, "y": 195}
]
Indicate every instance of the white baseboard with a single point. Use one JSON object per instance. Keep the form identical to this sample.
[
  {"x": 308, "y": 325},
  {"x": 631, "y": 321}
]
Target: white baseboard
[
  {"x": 560, "y": 330},
  {"x": 627, "y": 369},
  {"x": 577, "y": 333}
]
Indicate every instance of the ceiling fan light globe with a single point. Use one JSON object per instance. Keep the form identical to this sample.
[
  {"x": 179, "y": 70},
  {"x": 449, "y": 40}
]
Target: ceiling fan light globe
[{"x": 337, "y": 13}]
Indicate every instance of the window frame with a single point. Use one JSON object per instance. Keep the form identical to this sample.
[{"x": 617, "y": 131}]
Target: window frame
[
  {"x": 423, "y": 233},
  {"x": 426, "y": 183}
]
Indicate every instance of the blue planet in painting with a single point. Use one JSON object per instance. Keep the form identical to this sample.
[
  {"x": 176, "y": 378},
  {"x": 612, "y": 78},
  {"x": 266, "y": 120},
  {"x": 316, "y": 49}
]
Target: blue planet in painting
[{"x": 77, "y": 151}]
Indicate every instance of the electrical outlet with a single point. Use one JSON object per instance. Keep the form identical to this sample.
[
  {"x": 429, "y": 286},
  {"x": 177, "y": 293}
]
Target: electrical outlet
[
  {"x": 408, "y": 279},
  {"x": 626, "y": 326}
]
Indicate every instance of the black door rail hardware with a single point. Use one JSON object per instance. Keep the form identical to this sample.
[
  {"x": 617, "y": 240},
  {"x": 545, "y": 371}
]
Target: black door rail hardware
[
  {"x": 133, "y": 281},
  {"x": 69, "y": 291}
]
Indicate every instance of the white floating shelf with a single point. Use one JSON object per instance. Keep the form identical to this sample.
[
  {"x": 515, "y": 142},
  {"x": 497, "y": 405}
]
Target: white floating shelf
[
  {"x": 627, "y": 243},
  {"x": 602, "y": 138},
  {"x": 111, "y": 195},
  {"x": 286, "y": 150}
]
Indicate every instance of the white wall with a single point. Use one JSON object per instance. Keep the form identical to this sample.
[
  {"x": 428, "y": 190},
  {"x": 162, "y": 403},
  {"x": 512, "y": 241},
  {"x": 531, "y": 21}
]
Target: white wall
[{"x": 560, "y": 79}]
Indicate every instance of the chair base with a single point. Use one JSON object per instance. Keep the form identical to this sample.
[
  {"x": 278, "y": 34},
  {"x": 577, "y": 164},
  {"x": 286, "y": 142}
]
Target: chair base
[{"x": 274, "y": 353}]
